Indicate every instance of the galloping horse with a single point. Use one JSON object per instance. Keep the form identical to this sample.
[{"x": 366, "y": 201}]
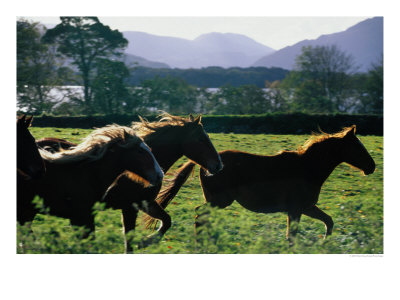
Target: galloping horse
[
  {"x": 170, "y": 138},
  {"x": 288, "y": 182},
  {"x": 75, "y": 179},
  {"x": 29, "y": 162}
]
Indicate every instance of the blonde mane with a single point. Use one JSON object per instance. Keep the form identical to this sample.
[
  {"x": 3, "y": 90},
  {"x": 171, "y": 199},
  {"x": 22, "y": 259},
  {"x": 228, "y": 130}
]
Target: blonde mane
[
  {"x": 167, "y": 128},
  {"x": 317, "y": 138},
  {"x": 144, "y": 127},
  {"x": 95, "y": 145}
]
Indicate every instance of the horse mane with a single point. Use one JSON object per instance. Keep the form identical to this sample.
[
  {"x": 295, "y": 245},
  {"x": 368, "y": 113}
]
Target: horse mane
[
  {"x": 95, "y": 145},
  {"x": 317, "y": 138},
  {"x": 155, "y": 130}
]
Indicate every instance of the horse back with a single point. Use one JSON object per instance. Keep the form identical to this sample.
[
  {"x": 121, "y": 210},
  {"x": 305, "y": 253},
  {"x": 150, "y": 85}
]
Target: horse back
[{"x": 248, "y": 166}]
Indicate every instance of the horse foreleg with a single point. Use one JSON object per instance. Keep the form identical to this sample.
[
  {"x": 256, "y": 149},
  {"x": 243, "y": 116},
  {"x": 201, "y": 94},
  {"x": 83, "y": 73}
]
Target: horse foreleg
[
  {"x": 202, "y": 217},
  {"x": 317, "y": 213},
  {"x": 293, "y": 220},
  {"x": 129, "y": 216},
  {"x": 154, "y": 210}
]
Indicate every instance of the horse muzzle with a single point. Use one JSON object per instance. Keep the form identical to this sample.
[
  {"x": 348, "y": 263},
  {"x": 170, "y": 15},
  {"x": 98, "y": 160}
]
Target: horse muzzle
[
  {"x": 156, "y": 179},
  {"x": 370, "y": 169},
  {"x": 215, "y": 169}
]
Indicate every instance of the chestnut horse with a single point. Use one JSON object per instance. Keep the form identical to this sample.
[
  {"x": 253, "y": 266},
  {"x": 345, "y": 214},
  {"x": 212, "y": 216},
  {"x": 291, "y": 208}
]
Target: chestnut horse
[
  {"x": 287, "y": 182},
  {"x": 75, "y": 179},
  {"x": 29, "y": 162},
  {"x": 170, "y": 138}
]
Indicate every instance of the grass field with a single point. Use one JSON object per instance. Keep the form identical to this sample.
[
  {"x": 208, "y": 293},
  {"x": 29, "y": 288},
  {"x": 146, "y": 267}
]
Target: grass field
[{"x": 354, "y": 201}]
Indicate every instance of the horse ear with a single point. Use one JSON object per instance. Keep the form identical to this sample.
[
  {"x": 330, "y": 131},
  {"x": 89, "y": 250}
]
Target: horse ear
[
  {"x": 191, "y": 119},
  {"x": 197, "y": 120},
  {"x": 126, "y": 135},
  {"x": 22, "y": 118},
  {"x": 352, "y": 130},
  {"x": 28, "y": 121}
]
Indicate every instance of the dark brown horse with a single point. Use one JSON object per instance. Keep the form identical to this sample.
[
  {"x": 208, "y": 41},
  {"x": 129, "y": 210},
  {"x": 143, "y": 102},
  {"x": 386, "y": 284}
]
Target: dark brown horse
[
  {"x": 75, "y": 179},
  {"x": 287, "y": 182},
  {"x": 170, "y": 138},
  {"x": 29, "y": 162}
]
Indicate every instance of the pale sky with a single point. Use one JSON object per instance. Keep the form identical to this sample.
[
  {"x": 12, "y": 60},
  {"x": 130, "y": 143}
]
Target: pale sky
[{"x": 274, "y": 32}]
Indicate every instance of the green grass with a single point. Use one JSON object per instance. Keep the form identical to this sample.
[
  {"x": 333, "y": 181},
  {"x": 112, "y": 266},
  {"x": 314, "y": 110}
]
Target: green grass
[{"x": 354, "y": 201}]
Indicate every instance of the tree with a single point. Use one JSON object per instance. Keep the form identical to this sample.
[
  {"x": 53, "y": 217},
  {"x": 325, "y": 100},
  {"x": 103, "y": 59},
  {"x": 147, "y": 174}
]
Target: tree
[
  {"x": 83, "y": 40},
  {"x": 369, "y": 87},
  {"x": 227, "y": 100},
  {"x": 110, "y": 92},
  {"x": 374, "y": 89},
  {"x": 322, "y": 72},
  {"x": 245, "y": 99},
  {"x": 37, "y": 69},
  {"x": 255, "y": 99},
  {"x": 170, "y": 94}
]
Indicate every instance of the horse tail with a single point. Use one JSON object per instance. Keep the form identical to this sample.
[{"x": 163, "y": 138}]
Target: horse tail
[{"x": 170, "y": 191}]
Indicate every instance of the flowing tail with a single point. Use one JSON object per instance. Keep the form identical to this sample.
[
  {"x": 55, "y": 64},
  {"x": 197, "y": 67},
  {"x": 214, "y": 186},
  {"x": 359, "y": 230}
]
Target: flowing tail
[{"x": 170, "y": 191}]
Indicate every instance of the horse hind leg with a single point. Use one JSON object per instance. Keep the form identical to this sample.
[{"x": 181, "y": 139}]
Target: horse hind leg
[
  {"x": 317, "y": 213},
  {"x": 154, "y": 210},
  {"x": 201, "y": 218}
]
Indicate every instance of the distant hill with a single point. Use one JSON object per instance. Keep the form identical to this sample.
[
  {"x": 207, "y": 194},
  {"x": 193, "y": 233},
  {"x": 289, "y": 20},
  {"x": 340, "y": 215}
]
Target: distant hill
[
  {"x": 133, "y": 60},
  {"x": 364, "y": 41},
  {"x": 212, "y": 49}
]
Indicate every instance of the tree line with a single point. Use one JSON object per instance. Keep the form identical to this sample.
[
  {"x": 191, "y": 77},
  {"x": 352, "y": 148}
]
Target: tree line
[
  {"x": 212, "y": 77},
  {"x": 82, "y": 51}
]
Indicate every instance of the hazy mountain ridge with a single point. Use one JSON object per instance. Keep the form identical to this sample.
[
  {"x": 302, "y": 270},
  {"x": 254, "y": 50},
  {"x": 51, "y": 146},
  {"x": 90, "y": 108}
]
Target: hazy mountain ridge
[
  {"x": 364, "y": 41},
  {"x": 133, "y": 61},
  {"x": 212, "y": 49}
]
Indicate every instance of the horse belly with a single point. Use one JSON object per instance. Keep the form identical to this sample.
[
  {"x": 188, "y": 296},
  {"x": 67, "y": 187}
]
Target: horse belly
[
  {"x": 66, "y": 193},
  {"x": 277, "y": 195}
]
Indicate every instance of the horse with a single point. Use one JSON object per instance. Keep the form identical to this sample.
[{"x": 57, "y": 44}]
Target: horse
[
  {"x": 29, "y": 162},
  {"x": 170, "y": 138},
  {"x": 288, "y": 182},
  {"x": 77, "y": 178}
]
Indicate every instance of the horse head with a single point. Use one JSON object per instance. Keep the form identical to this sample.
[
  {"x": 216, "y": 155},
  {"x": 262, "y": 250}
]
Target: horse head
[
  {"x": 355, "y": 154},
  {"x": 140, "y": 161},
  {"x": 29, "y": 161},
  {"x": 197, "y": 146}
]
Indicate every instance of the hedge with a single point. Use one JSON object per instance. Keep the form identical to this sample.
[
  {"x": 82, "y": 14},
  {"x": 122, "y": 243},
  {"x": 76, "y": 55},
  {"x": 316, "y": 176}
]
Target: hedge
[{"x": 295, "y": 123}]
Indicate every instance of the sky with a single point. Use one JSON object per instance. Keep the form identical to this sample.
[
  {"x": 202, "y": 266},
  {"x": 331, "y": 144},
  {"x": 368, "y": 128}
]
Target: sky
[{"x": 274, "y": 32}]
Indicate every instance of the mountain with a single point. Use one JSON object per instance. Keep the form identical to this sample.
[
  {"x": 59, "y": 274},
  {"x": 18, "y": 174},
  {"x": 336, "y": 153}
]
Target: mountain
[
  {"x": 364, "y": 41},
  {"x": 212, "y": 49},
  {"x": 133, "y": 60}
]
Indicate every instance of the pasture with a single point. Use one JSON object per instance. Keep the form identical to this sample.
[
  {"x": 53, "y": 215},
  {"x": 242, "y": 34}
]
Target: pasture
[{"x": 354, "y": 201}]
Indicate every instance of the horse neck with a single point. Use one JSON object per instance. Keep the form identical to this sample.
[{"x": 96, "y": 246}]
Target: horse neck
[
  {"x": 166, "y": 153},
  {"x": 322, "y": 159}
]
